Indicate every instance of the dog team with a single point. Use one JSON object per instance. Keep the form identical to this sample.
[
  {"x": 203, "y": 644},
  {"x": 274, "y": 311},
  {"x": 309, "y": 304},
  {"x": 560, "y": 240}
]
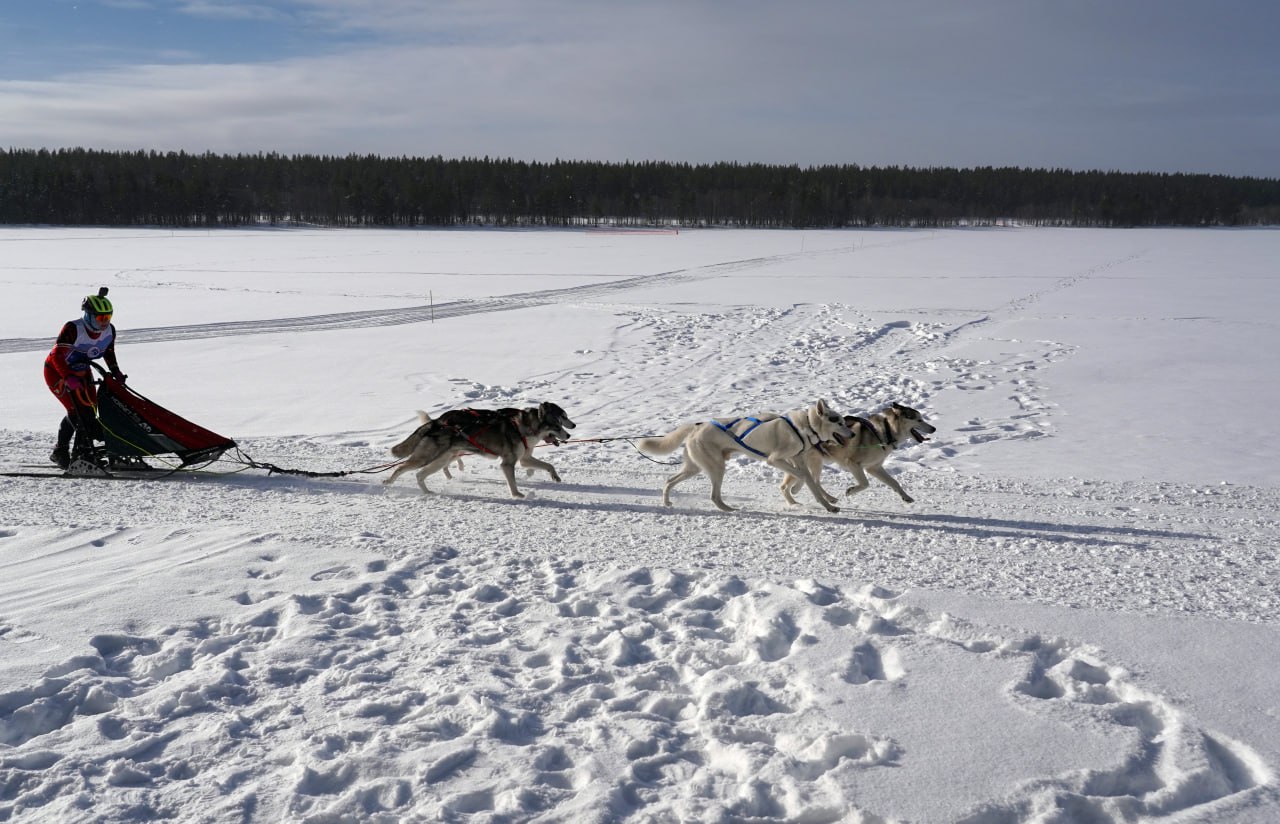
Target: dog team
[{"x": 798, "y": 442}]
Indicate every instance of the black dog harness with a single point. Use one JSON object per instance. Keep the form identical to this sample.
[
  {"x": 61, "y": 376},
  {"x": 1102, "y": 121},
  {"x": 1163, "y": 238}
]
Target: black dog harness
[
  {"x": 887, "y": 441},
  {"x": 481, "y": 425}
]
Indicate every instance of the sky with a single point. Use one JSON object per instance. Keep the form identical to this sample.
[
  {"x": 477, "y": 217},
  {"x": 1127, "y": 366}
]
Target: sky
[{"x": 1144, "y": 85}]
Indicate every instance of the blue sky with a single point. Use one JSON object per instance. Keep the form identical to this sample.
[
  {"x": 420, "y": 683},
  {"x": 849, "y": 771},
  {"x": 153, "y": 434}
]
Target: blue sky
[{"x": 1132, "y": 85}]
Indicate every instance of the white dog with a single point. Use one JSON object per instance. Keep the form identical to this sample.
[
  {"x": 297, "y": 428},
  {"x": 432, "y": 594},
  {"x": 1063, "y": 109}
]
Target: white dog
[
  {"x": 874, "y": 437},
  {"x": 780, "y": 440}
]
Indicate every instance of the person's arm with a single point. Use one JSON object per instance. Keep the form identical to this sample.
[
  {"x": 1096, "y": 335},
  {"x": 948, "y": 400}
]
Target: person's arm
[
  {"x": 62, "y": 348},
  {"x": 110, "y": 357}
]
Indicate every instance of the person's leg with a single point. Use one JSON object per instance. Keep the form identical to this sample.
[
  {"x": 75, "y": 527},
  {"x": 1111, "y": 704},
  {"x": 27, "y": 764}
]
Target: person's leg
[
  {"x": 85, "y": 424},
  {"x": 61, "y": 454},
  {"x": 82, "y": 418}
]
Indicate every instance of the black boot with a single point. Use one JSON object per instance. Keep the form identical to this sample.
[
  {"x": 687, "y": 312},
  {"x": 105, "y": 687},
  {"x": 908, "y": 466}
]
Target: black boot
[{"x": 61, "y": 454}]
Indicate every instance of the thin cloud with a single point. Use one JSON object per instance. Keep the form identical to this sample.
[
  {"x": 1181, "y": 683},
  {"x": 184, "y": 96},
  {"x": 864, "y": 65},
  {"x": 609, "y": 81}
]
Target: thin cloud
[
  {"x": 229, "y": 11},
  {"x": 989, "y": 83}
]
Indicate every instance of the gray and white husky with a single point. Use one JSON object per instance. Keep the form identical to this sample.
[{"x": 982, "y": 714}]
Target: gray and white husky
[
  {"x": 781, "y": 440},
  {"x": 506, "y": 434},
  {"x": 874, "y": 437}
]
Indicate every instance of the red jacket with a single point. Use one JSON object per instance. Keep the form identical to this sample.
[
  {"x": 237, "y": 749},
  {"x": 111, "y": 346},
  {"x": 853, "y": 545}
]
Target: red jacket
[{"x": 77, "y": 345}]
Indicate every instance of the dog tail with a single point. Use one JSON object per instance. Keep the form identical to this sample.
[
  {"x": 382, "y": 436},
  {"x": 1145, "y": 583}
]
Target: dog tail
[
  {"x": 668, "y": 443},
  {"x": 405, "y": 447}
]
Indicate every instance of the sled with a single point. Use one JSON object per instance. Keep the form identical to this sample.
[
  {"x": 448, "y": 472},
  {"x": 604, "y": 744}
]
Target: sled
[{"x": 135, "y": 426}]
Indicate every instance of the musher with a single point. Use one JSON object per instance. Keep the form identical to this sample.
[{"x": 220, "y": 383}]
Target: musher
[{"x": 66, "y": 371}]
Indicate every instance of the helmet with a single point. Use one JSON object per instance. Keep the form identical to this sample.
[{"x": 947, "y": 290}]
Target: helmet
[
  {"x": 97, "y": 310},
  {"x": 97, "y": 304}
]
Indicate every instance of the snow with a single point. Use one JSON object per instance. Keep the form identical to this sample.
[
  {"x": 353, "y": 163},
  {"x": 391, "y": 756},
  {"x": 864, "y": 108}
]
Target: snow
[{"x": 1074, "y": 622}]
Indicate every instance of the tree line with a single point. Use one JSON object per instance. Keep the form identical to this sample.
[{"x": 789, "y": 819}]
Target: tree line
[{"x": 149, "y": 188}]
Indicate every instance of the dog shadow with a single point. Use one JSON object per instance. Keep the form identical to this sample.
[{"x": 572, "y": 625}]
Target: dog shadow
[
  {"x": 693, "y": 504},
  {"x": 984, "y": 527}
]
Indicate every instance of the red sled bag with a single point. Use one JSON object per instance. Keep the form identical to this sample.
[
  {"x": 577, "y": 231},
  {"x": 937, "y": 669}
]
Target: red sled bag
[{"x": 135, "y": 426}]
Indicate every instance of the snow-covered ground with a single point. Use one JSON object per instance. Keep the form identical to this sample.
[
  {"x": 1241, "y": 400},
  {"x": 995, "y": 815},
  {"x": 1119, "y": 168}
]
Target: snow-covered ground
[{"x": 1075, "y": 622}]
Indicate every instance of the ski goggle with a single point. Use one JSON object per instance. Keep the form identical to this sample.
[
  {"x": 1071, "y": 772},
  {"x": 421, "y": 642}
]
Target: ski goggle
[{"x": 103, "y": 319}]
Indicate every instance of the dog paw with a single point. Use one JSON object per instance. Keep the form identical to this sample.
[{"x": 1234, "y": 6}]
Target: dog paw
[{"x": 908, "y": 499}]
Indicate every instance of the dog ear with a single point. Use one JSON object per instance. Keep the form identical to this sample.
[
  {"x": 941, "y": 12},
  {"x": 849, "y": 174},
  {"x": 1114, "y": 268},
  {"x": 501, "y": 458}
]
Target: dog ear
[
  {"x": 898, "y": 406},
  {"x": 821, "y": 406}
]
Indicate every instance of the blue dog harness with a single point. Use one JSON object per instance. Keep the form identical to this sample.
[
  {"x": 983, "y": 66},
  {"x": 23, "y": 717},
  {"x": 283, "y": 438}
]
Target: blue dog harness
[{"x": 727, "y": 428}]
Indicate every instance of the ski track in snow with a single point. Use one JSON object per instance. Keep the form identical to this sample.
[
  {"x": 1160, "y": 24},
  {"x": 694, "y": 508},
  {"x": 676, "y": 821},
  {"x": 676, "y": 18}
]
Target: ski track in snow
[
  {"x": 443, "y": 311},
  {"x": 662, "y": 679},
  {"x": 413, "y": 314}
]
